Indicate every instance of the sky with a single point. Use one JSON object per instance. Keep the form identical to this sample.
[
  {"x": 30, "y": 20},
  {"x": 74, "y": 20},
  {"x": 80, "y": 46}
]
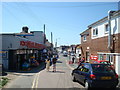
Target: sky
[{"x": 66, "y": 20}]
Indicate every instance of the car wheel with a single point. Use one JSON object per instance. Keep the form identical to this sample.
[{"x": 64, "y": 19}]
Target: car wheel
[
  {"x": 73, "y": 78},
  {"x": 87, "y": 86}
]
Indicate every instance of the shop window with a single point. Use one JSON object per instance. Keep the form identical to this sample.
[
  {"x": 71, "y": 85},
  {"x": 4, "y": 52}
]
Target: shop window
[{"x": 95, "y": 32}]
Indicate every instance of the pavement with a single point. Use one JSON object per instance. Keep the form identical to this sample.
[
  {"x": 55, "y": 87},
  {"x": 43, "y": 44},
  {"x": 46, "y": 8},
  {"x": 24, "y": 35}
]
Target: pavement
[
  {"x": 14, "y": 75},
  {"x": 43, "y": 79}
]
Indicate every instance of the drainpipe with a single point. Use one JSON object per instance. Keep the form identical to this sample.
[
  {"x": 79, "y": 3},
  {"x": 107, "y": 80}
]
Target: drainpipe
[{"x": 109, "y": 28}]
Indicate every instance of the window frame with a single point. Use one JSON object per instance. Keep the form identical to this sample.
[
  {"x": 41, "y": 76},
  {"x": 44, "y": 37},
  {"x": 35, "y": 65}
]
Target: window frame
[
  {"x": 95, "y": 32},
  {"x": 106, "y": 26},
  {"x": 109, "y": 58},
  {"x": 84, "y": 38}
]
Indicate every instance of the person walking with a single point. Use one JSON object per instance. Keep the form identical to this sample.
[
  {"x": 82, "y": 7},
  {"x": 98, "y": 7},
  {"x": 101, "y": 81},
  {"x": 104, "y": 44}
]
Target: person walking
[
  {"x": 54, "y": 63},
  {"x": 82, "y": 60},
  {"x": 73, "y": 59},
  {"x": 48, "y": 64}
]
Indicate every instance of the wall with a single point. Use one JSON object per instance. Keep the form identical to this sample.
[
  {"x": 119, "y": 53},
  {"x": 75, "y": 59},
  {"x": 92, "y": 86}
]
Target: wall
[
  {"x": 38, "y": 37},
  {"x": 117, "y": 66},
  {"x": 101, "y": 28}
]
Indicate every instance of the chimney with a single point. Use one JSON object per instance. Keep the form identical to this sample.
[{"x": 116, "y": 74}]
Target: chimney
[{"x": 25, "y": 29}]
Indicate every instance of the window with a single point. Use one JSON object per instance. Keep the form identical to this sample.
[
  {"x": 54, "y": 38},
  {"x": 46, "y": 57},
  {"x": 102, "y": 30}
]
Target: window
[
  {"x": 109, "y": 58},
  {"x": 84, "y": 68},
  {"x": 106, "y": 28},
  {"x": 95, "y": 32},
  {"x": 100, "y": 57},
  {"x": 84, "y": 38}
]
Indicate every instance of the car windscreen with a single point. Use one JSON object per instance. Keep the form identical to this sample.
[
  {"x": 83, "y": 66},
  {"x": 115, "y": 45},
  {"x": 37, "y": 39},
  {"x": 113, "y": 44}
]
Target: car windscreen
[{"x": 102, "y": 68}]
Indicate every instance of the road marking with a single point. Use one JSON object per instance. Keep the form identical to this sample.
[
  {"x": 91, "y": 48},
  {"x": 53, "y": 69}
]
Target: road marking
[
  {"x": 33, "y": 84},
  {"x": 35, "y": 81}
]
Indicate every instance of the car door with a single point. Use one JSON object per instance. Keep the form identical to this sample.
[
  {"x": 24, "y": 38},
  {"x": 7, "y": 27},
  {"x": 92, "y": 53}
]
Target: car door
[
  {"x": 84, "y": 73},
  {"x": 78, "y": 73}
]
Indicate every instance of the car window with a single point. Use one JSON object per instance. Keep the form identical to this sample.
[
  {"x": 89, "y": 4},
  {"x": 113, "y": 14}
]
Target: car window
[
  {"x": 103, "y": 68},
  {"x": 83, "y": 68}
]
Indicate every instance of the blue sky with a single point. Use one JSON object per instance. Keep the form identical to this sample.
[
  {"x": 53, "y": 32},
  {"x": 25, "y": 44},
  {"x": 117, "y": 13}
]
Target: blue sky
[{"x": 66, "y": 20}]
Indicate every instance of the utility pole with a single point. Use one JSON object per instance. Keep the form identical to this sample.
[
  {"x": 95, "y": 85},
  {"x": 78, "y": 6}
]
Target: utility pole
[
  {"x": 56, "y": 43},
  {"x": 51, "y": 40},
  {"x": 44, "y": 34},
  {"x": 52, "y": 43}
]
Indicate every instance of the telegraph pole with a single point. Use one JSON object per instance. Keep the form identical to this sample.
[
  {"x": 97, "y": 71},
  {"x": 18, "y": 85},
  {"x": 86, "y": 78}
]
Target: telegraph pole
[
  {"x": 51, "y": 40},
  {"x": 52, "y": 43},
  {"x": 44, "y": 34}
]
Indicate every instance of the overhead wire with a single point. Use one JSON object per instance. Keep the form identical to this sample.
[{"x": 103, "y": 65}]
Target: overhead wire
[
  {"x": 69, "y": 6},
  {"x": 12, "y": 14}
]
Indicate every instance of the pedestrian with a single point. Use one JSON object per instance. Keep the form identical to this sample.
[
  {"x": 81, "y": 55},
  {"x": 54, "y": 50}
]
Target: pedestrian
[
  {"x": 54, "y": 63},
  {"x": 73, "y": 58},
  {"x": 48, "y": 64},
  {"x": 82, "y": 60}
]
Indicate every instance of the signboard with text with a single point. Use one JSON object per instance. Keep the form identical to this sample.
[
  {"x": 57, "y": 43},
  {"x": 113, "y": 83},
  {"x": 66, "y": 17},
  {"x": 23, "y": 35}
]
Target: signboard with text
[
  {"x": 94, "y": 57},
  {"x": 31, "y": 44}
]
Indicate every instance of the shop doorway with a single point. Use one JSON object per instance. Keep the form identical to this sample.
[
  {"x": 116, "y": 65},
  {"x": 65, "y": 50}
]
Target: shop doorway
[{"x": 12, "y": 63}]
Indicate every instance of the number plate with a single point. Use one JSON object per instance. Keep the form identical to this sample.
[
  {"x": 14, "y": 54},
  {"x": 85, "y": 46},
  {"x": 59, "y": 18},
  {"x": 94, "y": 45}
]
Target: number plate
[{"x": 106, "y": 78}]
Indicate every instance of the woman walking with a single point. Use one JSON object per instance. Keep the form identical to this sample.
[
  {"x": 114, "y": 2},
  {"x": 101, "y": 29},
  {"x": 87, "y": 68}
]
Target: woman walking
[{"x": 47, "y": 64}]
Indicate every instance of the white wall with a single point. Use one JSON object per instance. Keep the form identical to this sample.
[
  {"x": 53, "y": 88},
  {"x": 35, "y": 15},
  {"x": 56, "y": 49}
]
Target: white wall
[
  {"x": 38, "y": 37},
  {"x": 115, "y": 22},
  {"x": 117, "y": 66}
]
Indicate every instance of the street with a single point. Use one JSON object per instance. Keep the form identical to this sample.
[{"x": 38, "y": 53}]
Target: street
[{"x": 43, "y": 79}]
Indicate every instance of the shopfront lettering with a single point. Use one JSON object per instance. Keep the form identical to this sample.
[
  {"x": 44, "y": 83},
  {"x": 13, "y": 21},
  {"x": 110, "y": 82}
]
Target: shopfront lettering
[
  {"x": 94, "y": 57},
  {"x": 30, "y": 44}
]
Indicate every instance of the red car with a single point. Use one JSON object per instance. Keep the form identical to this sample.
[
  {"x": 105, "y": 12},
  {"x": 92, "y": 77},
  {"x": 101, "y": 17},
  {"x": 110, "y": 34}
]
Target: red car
[{"x": 104, "y": 62}]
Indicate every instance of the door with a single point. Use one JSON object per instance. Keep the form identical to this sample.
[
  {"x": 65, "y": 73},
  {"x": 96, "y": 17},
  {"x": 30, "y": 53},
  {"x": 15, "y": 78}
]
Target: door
[
  {"x": 87, "y": 56},
  {"x": 12, "y": 60}
]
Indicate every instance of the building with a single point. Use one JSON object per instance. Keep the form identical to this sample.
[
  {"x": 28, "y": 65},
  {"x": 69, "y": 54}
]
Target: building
[
  {"x": 20, "y": 47},
  {"x": 98, "y": 44}
]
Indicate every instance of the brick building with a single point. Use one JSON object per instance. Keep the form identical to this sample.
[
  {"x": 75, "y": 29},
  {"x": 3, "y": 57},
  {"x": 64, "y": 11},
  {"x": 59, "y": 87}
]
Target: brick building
[{"x": 94, "y": 41}]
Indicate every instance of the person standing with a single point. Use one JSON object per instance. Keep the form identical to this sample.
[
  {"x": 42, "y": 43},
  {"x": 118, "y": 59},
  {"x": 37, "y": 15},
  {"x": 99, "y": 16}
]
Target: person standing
[
  {"x": 73, "y": 59},
  {"x": 47, "y": 64},
  {"x": 54, "y": 63}
]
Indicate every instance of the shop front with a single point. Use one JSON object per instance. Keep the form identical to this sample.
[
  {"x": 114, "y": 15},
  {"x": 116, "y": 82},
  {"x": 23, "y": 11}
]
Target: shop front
[{"x": 19, "y": 52}]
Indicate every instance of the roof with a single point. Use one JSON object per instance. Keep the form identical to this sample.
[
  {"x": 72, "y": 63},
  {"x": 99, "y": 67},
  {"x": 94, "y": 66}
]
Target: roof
[
  {"x": 98, "y": 22},
  {"x": 116, "y": 13},
  {"x": 86, "y": 32}
]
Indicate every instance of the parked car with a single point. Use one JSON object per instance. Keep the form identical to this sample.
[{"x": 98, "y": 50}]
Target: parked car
[
  {"x": 95, "y": 75},
  {"x": 65, "y": 54},
  {"x": 103, "y": 61}
]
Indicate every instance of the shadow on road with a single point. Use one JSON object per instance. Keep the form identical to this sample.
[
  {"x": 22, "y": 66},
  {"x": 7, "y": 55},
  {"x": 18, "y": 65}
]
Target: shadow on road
[
  {"x": 58, "y": 62},
  {"x": 33, "y": 70},
  {"x": 57, "y": 72}
]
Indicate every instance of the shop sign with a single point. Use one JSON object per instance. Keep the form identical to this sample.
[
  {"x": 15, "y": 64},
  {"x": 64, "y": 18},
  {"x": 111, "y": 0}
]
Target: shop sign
[
  {"x": 3, "y": 54},
  {"x": 30, "y": 44},
  {"x": 94, "y": 57}
]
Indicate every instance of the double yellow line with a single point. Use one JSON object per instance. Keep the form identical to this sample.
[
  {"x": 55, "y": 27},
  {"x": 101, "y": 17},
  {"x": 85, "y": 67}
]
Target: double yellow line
[{"x": 35, "y": 81}]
